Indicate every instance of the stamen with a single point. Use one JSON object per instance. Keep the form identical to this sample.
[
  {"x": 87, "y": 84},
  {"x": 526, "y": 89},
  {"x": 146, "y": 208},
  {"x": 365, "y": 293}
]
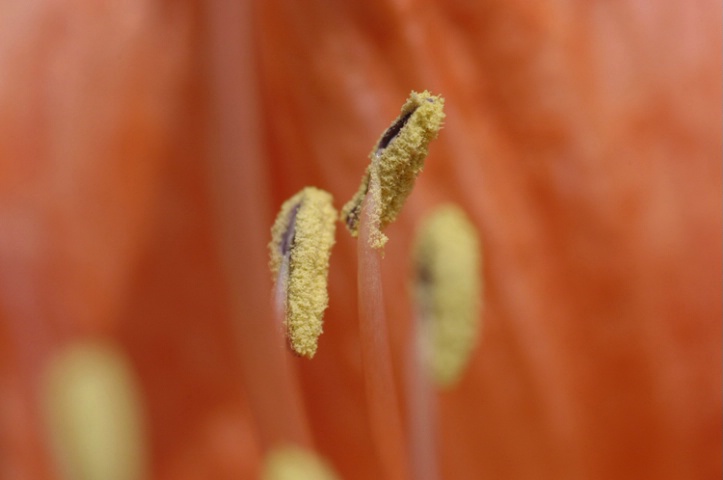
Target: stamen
[
  {"x": 94, "y": 414},
  {"x": 288, "y": 236},
  {"x": 448, "y": 291},
  {"x": 302, "y": 237},
  {"x": 293, "y": 463},
  {"x": 396, "y": 160}
]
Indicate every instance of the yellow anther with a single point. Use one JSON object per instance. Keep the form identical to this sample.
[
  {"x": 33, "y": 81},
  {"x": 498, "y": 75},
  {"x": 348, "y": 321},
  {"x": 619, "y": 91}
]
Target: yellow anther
[
  {"x": 396, "y": 160},
  {"x": 302, "y": 237},
  {"x": 294, "y": 463},
  {"x": 94, "y": 414},
  {"x": 448, "y": 291}
]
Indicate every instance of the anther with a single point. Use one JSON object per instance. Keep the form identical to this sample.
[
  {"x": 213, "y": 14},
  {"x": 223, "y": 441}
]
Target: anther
[
  {"x": 294, "y": 463},
  {"x": 94, "y": 415},
  {"x": 302, "y": 237},
  {"x": 448, "y": 291},
  {"x": 396, "y": 160}
]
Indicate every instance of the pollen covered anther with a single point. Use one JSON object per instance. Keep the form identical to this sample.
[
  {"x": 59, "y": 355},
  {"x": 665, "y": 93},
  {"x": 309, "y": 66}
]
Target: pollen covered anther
[
  {"x": 396, "y": 160},
  {"x": 93, "y": 410},
  {"x": 448, "y": 291},
  {"x": 294, "y": 463},
  {"x": 302, "y": 237}
]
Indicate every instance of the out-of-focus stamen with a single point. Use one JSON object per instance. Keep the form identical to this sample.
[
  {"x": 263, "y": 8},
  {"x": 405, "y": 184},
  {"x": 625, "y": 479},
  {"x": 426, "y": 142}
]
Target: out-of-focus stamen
[
  {"x": 448, "y": 291},
  {"x": 94, "y": 414},
  {"x": 294, "y": 463}
]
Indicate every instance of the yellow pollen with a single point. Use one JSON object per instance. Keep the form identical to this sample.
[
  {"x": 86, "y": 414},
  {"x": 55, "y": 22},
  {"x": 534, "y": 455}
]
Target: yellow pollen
[
  {"x": 396, "y": 160},
  {"x": 448, "y": 290},
  {"x": 94, "y": 414},
  {"x": 302, "y": 237},
  {"x": 294, "y": 463}
]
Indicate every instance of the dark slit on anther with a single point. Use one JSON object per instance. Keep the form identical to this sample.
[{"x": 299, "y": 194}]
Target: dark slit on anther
[
  {"x": 425, "y": 285},
  {"x": 352, "y": 218},
  {"x": 287, "y": 239},
  {"x": 394, "y": 130}
]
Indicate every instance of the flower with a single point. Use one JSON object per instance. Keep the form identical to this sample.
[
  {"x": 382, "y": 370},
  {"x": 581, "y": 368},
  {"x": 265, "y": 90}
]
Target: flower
[{"x": 146, "y": 145}]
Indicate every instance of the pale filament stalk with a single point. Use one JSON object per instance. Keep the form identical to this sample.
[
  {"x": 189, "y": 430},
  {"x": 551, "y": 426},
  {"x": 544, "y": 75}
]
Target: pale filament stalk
[{"x": 381, "y": 396}]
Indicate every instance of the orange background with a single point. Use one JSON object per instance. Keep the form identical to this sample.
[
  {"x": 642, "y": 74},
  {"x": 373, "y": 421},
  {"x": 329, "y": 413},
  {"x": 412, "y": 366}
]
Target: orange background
[{"x": 145, "y": 147}]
